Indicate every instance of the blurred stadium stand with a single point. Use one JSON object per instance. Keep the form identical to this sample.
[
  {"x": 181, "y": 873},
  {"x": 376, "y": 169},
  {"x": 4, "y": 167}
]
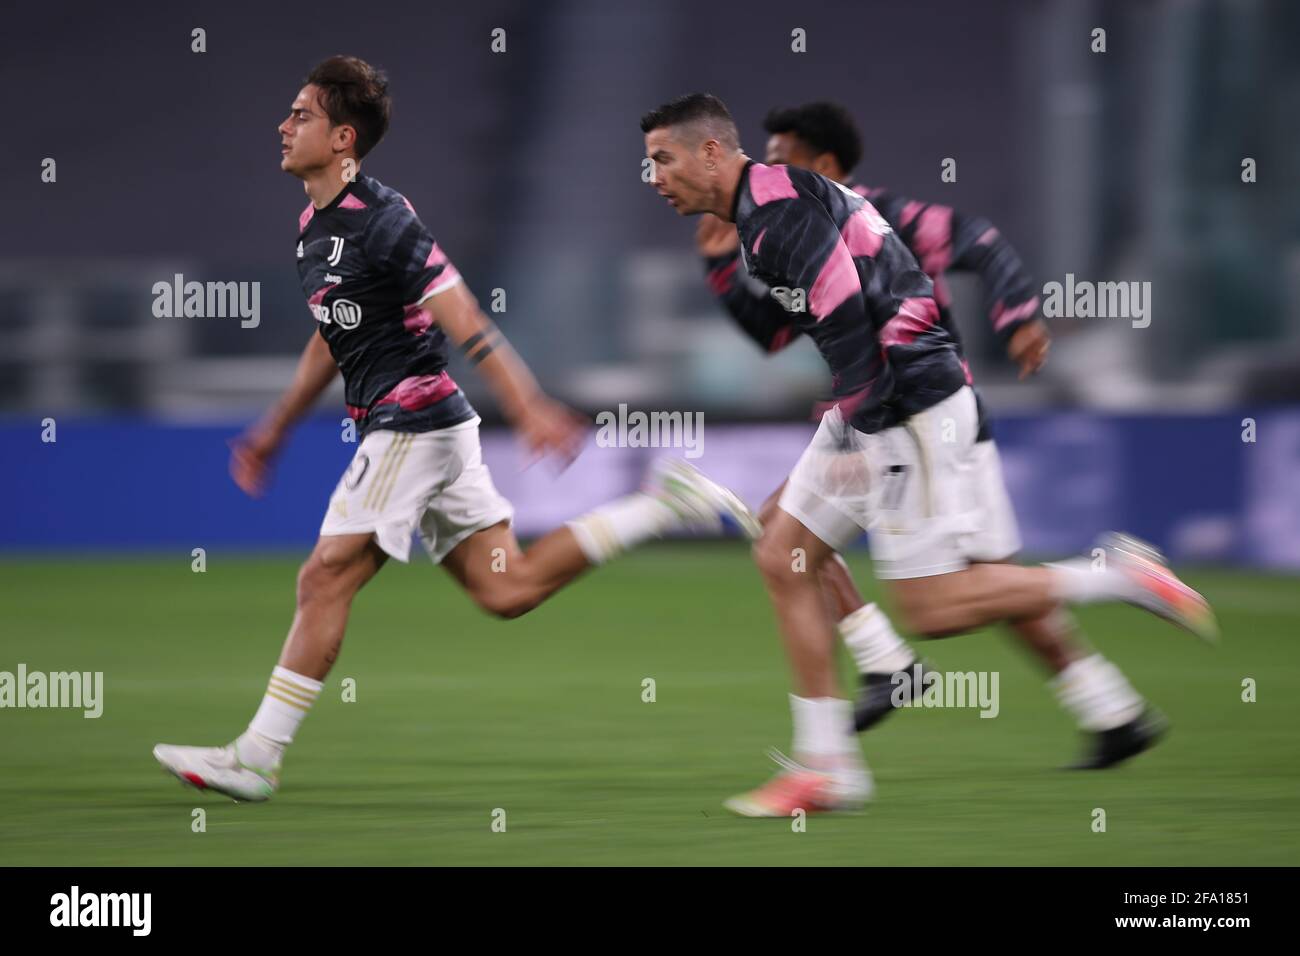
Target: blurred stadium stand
[{"x": 526, "y": 165}]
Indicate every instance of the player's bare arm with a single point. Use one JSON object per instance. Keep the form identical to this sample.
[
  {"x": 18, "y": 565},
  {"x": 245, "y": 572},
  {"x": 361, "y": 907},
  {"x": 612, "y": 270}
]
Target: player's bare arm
[
  {"x": 716, "y": 237},
  {"x": 251, "y": 453},
  {"x": 545, "y": 424}
]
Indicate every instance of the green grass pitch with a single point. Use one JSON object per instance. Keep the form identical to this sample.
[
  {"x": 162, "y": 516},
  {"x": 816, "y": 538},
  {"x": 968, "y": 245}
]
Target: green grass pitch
[{"x": 458, "y": 715}]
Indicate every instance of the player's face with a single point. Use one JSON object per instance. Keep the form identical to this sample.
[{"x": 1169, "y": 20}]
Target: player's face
[
  {"x": 680, "y": 175},
  {"x": 306, "y": 136},
  {"x": 789, "y": 150},
  {"x": 784, "y": 149}
]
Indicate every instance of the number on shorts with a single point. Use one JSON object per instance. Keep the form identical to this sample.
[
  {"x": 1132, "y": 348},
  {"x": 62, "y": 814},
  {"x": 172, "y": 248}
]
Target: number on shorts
[
  {"x": 891, "y": 498},
  {"x": 356, "y": 471}
]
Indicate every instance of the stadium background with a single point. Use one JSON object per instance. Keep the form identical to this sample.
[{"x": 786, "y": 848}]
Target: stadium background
[{"x": 1115, "y": 166}]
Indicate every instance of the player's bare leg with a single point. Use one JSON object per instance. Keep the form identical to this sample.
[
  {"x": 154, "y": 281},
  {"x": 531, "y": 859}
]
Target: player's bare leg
[
  {"x": 1115, "y": 718},
  {"x": 249, "y": 767},
  {"x": 885, "y": 664},
  {"x": 1119, "y": 722},
  {"x": 339, "y": 566},
  {"x": 499, "y": 575},
  {"x": 507, "y": 581},
  {"x": 983, "y": 594},
  {"x": 1090, "y": 688},
  {"x": 827, "y": 772},
  {"x": 1052, "y": 638},
  {"x": 943, "y": 605},
  {"x": 790, "y": 559},
  {"x": 841, "y": 594}
]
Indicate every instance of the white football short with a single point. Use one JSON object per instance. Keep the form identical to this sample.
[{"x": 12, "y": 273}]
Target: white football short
[
  {"x": 930, "y": 496},
  {"x": 434, "y": 482}
]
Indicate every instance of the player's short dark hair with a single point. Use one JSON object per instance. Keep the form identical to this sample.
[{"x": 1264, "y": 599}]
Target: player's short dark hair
[
  {"x": 704, "y": 108},
  {"x": 354, "y": 93},
  {"x": 823, "y": 127}
]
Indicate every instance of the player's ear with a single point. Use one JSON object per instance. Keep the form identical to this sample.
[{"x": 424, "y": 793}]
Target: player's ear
[
  {"x": 345, "y": 137},
  {"x": 825, "y": 165},
  {"x": 712, "y": 150}
]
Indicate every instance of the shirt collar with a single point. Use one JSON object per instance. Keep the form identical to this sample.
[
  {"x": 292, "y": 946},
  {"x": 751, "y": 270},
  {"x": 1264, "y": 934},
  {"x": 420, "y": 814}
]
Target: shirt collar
[{"x": 741, "y": 186}]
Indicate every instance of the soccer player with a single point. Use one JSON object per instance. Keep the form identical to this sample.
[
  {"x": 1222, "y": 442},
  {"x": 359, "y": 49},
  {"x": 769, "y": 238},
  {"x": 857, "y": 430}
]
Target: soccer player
[
  {"x": 824, "y": 138},
  {"x": 894, "y": 453},
  {"x": 387, "y": 302}
]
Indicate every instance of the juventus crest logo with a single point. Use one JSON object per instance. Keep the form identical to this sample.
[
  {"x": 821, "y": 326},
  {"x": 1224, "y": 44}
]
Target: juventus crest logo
[{"x": 336, "y": 250}]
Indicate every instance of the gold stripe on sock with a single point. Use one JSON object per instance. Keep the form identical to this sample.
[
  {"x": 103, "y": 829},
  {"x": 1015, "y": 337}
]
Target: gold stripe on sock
[
  {"x": 286, "y": 700},
  {"x": 588, "y": 526},
  {"x": 292, "y": 690},
  {"x": 602, "y": 534},
  {"x": 612, "y": 545}
]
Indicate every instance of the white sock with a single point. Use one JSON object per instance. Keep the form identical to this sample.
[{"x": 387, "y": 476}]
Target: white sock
[
  {"x": 873, "y": 642},
  {"x": 622, "y": 524},
  {"x": 822, "y": 728},
  {"x": 288, "y": 698},
  {"x": 1096, "y": 694},
  {"x": 1078, "y": 582},
  {"x": 824, "y": 741}
]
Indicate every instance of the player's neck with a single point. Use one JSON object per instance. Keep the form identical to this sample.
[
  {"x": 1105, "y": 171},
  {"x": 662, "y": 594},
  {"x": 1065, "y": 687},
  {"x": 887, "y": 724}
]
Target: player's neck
[{"x": 323, "y": 187}]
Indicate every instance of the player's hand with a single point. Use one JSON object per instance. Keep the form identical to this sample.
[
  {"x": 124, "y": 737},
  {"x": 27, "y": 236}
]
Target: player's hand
[
  {"x": 1028, "y": 347},
  {"x": 250, "y": 459},
  {"x": 547, "y": 427},
  {"x": 715, "y": 237}
]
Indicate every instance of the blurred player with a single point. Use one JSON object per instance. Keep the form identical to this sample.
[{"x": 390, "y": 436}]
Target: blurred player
[
  {"x": 895, "y": 452},
  {"x": 824, "y": 138},
  {"x": 387, "y": 302}
]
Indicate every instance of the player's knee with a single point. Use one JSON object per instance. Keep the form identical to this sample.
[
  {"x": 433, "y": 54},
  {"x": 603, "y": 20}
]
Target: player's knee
[
  {"x": 768, "y": 511},
  {"x": 312, "y": 581},
  {"x": 926, "y": 621},
  {"x": 505, "y": 603},
  {"x": 323, "y": 577},
  {"x": 928, "y": 629},
  {"x": 776, "y": 562},
  {"x": 514, "y": 607}
]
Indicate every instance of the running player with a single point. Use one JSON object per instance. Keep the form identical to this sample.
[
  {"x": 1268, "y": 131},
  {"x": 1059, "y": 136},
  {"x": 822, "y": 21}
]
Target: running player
[
  {"x": 894, "y": 453},
  {"x": 387, "y": 301},
  {"x": 824, "y": 138}
]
